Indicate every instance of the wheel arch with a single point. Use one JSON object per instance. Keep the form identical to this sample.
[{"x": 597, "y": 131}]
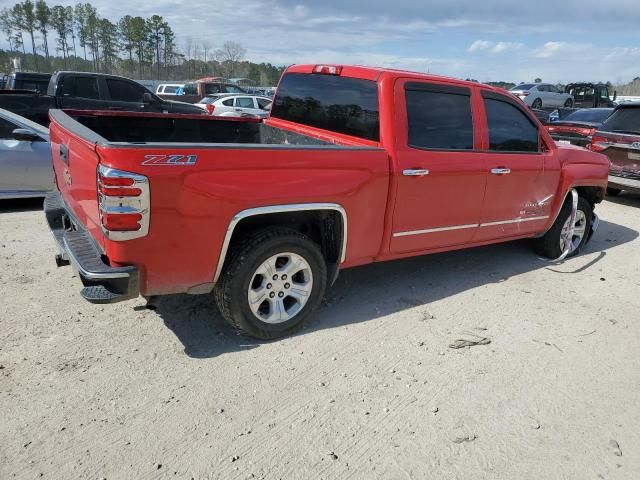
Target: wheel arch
[{"x": 325, "y": 223}]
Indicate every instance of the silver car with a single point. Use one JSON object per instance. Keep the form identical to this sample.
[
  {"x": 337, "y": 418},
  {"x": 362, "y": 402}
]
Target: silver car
[
  {"x": 542, "y": 95},
  {"x": 25, "y": 158}
]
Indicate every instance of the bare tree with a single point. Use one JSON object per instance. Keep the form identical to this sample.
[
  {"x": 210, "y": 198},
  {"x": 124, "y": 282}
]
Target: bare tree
[{"x": 230, "y": 55}]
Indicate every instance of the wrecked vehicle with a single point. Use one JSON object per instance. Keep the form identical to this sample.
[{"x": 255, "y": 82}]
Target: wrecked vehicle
[{"x": 355, "y": 165}]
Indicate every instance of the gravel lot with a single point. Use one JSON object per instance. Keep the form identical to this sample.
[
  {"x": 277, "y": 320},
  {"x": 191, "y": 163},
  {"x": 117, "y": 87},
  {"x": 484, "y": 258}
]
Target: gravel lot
[{"x": 371, "y": 389}]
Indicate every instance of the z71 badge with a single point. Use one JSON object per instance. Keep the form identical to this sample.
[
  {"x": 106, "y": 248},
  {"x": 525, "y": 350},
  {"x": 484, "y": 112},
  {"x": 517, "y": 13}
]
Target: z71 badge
[{"x": 184, "y": 160}]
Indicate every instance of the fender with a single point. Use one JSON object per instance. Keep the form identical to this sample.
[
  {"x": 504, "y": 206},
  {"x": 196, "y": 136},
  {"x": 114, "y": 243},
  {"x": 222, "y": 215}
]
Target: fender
[{"x": 296, "y": 207}]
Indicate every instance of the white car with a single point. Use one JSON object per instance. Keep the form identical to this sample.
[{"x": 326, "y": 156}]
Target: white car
[
  {"x": 542, "y": 95},
  {"x": 236, "y": 105},
  {"x": 168, "y": 88}
]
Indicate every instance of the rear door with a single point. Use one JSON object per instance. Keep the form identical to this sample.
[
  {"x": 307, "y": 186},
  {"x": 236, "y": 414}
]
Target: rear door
[
  {"x": 80, "y": 92},
  {"x": 25, "y": 166},
  {"x": 245, "y": 105},
  {"x": 519, "y": 194},
  {"x": 440, "y": 173}
]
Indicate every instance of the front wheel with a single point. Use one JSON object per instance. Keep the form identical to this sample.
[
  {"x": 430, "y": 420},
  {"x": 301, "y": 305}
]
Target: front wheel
[
  {"x": 552, "y": 243},
  {"x": 272, "y": 283}
]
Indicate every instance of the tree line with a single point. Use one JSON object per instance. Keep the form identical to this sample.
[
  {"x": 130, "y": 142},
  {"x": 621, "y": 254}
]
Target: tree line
[{"x": 48, "y": 38}]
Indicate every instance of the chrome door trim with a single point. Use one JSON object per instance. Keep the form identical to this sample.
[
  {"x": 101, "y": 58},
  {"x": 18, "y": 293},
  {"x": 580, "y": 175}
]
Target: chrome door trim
[
  {"x": 296, "y": 207},
  {"x": 515, "y": 220},
  {"x": 415, "y": 172},
  {"x": 471, "y": 225},
  {"x": 434, "y": 230}
]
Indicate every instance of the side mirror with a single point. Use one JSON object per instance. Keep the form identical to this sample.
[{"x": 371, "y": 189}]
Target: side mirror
[
  {"x": 615, "y": 95},
  {"x": 24, "y": 135},
  {"x": 148, "y": 98}
]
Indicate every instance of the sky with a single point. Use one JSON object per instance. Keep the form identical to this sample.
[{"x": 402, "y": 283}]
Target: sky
[{"x": 488, "y": 40}]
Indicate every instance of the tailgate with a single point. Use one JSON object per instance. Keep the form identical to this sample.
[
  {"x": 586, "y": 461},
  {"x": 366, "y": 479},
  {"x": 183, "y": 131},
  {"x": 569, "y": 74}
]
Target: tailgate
[{"x": 75, "y": 162}]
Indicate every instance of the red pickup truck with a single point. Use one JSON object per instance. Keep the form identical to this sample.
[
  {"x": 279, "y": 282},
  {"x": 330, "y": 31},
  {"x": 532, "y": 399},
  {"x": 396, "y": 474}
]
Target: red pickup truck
[{"x": 355, "y": 165}]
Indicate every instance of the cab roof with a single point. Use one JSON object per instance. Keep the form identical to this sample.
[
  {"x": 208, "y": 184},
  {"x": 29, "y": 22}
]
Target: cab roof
[{"x": 374, "y": 73}]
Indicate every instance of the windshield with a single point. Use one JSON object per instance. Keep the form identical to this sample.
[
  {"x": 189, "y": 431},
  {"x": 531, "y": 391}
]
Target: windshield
[
  {"x": 623, "y": 120},
  {"x": 340, "y": 104},
  {"x": 589, "y": 115},
  {"x": 524, "y": 86}
]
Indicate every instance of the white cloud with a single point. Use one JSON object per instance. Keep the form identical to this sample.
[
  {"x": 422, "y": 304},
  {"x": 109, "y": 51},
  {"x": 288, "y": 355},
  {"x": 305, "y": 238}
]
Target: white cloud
[
  {"x": 493, "y": 47},
  {"x": 555, "y": 49}
]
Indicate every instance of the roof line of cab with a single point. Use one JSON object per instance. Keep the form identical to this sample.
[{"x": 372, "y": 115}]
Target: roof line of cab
[{"x": 374, "y": 73}]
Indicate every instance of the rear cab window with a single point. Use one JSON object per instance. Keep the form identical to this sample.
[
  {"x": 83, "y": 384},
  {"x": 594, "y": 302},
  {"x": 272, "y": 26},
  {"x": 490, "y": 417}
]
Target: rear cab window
[{"x": 339, "y": 104}]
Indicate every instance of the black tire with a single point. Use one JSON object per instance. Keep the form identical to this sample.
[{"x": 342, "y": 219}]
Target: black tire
[
  {"x": 537, "y": 103},
  {"x": 613, "y": 192},
  {"x": 232, "y": 287},
  {"x": 568, "y": 103},
  {"x": 549, "y": 244}
]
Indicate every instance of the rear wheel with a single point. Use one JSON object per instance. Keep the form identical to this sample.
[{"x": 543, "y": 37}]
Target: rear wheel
[
  {"x": 537, "y": 103},
  {"x": 613, "y": 192},
  {"x": 552, "y": 244},
  {"x": 272, "y": 283},
  {"x": 568, "y": 103}
]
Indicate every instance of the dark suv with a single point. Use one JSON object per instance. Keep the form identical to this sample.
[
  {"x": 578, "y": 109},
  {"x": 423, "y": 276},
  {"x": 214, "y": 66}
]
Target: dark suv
[{"x": 619, "y": 139}]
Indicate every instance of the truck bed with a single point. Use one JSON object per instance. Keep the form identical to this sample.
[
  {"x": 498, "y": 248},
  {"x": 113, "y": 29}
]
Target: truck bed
[
  {"x": 151, "y": 128},
  {"x": 202, "y": 173}
]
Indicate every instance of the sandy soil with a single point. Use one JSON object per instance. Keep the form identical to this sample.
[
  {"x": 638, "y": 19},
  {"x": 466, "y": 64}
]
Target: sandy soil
[{"x": 371, "y": 389}]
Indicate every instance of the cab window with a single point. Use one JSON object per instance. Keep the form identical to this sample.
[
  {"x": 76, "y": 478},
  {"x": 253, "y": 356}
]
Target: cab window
[
  {"x": 510, "y": 129},
  {"x": 439, "y": 117}
]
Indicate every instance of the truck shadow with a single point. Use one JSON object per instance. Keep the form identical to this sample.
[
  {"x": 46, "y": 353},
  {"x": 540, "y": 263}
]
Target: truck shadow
[
  {"x": 625, "y": 198},
  {"x": 376, "y": 290},
  {"x": 21, "y": 205}
]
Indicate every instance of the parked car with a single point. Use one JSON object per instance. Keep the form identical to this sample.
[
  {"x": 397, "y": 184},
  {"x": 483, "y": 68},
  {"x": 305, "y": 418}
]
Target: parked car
[
  {"x": 193, "y": 92},
  {"x": 225, "y": 105},
  {"x": 542, "y": 115},
  {"x": 37, "y": 82},
  {"x": 90, "y": 91},
  {"x": 542, "y": 95},
  {"x": 25, "y": 158},
  {"x": 354, "y": 165},
  {"x": 619, "y": 139},
  {"x": 578, "y": 127},
  {"x": 591, "y": 95},
  {"x": 169, "y": 88}
]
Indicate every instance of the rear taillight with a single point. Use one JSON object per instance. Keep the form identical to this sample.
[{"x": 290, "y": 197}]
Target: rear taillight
[
  {"x": 210, "y": 108},
  {"x": 328, "y": 69},
  {"x": 599, "y": 144},
  {"x": 123, "y": 202}
]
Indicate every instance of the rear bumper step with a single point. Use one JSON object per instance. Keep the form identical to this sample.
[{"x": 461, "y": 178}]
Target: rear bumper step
[{"x": 102, "y": 282}]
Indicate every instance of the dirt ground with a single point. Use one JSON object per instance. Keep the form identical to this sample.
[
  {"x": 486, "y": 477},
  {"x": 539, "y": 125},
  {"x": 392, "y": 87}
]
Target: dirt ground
[{"x": 370, "y": 390}]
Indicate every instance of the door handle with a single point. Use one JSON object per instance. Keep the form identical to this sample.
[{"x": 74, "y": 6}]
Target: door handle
[
  {"x": 500, "y": 171},
  {"x": 415, "y": 172}
]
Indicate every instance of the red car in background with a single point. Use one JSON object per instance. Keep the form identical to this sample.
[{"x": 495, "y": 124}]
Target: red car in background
[{"x": 619, "y": 139}]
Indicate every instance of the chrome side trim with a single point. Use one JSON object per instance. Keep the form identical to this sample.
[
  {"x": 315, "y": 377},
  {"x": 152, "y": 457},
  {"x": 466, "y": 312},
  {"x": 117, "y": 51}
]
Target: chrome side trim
[
  {"x": 421, "y": 172},
  {"x": 296, "y": 207},
  {"x": 90, "y": 275},
  {"x": 515, "y": 220},
  {"x": 471, "y": 225},
  {"x": 434, "y": 230}
]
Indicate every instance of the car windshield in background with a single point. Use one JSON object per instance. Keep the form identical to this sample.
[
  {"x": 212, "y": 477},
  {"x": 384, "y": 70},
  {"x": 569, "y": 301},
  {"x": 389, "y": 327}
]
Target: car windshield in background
[
  {"x": 524, "y": 86},
  {"x": 339, "y": 104},
  {"x": 623, "y": 120},
  {"x": 594, "y": 115}
]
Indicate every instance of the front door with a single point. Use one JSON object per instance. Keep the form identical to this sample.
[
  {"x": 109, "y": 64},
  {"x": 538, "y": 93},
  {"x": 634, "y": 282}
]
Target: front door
[
  {"x": 440, "y": 175},
  {"x": 128, "y": 96},
  {"x": 519, "y": 191}
]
